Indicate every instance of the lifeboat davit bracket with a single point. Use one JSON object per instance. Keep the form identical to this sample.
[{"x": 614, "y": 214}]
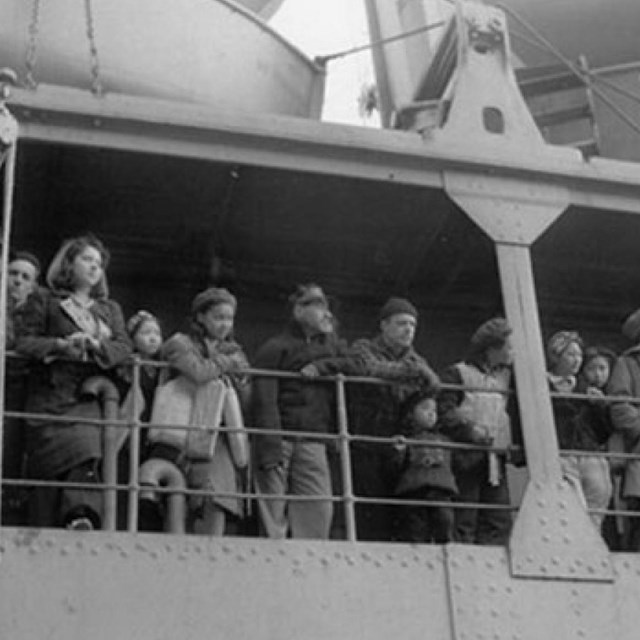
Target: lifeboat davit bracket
[{"x": 553, "y": 536}]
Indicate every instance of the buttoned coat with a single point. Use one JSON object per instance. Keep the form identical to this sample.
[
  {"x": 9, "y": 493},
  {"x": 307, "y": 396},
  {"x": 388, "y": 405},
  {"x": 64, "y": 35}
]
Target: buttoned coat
[{"x": 56, "y": 382}]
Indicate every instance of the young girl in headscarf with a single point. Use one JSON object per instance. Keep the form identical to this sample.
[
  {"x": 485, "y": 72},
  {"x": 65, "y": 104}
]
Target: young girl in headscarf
[
  {"x": 75, "y": 332},
  {"x": 146, "y": 335},
  {"x": 594, "y": 429}
]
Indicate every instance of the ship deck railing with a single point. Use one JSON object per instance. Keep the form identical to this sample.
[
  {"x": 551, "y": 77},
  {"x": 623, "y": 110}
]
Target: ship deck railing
[{"x": 342, "y": 441}]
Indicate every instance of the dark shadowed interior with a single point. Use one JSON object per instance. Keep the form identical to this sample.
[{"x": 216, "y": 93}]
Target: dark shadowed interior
[{"x": 175, "y": 226}]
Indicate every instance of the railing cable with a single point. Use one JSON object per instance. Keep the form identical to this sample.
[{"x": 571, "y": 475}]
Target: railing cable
[{"x": 575, "y": 69}]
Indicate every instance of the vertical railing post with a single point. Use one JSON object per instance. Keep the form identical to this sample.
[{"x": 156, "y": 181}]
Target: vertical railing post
[
  {"x": 134, "y": 449},
  {"x": 107, "y": 395},
  {"x": 345, "y": 460},
  {"x": 8, "y": 144}
]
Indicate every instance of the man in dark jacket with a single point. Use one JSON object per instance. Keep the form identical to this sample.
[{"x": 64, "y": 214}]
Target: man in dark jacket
[
  {"x": 285, "y": 463},
  {"x": 374, "y": 410},
  {"x": 625, "y": 381},
  {"x": 22, "y": 282}
]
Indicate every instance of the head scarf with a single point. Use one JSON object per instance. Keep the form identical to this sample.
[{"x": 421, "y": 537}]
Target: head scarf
[
  {"x": 137, "y": 320},
  {"x": 559, "y": 343}
]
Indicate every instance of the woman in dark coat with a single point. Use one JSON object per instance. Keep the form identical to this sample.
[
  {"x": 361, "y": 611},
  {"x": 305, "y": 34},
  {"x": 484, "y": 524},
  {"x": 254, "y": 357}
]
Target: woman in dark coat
[{"x": 75, "y": 332}]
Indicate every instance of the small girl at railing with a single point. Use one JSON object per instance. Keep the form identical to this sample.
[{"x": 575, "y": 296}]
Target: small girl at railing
[
  {"x": 595, "y": 428},
  {"x": 425, "y": 474},
  {"x": 146, "y": 335}
]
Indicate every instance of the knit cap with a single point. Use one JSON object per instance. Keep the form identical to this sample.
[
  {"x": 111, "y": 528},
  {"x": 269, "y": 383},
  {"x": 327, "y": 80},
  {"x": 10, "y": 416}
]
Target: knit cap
[
  {"x": 212, "y": 297},
  {"x": 394, "y": 306},
  {"x": 25, "y": 256}
]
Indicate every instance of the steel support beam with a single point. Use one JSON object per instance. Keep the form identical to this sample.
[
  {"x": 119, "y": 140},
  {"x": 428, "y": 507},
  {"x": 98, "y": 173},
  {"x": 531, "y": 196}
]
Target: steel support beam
[
  {"x": 68, "y": 116},
  {"x": 553, "y": 535}
]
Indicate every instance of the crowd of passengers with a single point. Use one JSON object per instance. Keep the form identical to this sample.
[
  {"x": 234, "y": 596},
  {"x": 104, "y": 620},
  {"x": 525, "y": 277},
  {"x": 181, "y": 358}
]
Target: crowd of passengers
[{"x": 70, "y": 331}]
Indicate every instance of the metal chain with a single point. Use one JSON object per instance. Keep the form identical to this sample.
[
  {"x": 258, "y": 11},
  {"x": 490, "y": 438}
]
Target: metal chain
[
  {"x": 31, "y": 54},
  {"x": 96, "y": 84}
]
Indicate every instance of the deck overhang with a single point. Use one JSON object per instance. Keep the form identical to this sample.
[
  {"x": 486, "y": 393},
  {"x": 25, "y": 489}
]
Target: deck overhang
[{"x": 68, "y": 116}]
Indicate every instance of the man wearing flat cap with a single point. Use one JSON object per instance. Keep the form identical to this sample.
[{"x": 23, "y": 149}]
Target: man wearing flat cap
[
  {"x": 481, "y": 414},
  {"x": 625, "y": 381},
  {"x": 286, "y": 464},
  {"x": 375, "y": 411}
]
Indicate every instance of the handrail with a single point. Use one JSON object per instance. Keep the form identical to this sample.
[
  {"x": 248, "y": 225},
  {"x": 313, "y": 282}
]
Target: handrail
[
  {"x": 343, "y": 437},
  {"x": 134, "y": 451}
]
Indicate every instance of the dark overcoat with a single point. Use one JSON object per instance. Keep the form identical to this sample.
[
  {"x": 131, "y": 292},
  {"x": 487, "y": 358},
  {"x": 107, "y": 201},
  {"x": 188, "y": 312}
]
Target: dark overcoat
[{"x": 56, "y": 382}]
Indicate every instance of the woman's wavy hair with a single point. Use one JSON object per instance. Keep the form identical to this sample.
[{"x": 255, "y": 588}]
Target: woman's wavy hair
[{"x": 60, "y": 277}]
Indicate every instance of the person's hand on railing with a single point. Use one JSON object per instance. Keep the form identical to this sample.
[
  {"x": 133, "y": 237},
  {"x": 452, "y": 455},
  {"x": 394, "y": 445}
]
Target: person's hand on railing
[
  {"x": 310, "y": 371},
  {"x": 596, "y": 395},
  {"x": 72, "y": 347},
  {"x": 400, "y": 444},
  {"x": 480, "y": 435},
  {"x": 84, "y": 342},
  {"x": 429, "y": 377},
  {"x": 231, "y": 365}
]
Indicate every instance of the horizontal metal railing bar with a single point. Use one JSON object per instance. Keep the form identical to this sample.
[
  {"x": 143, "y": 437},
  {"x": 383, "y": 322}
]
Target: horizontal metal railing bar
[
  {"x": 588, "y": 453},
  {"x": 123, "y": 489},
  {"x": 604, "y": 399},
  {"x": 608, "y": 399},
  {"x": 270, "y": 373},
  {"x": 296, "y": 435},
  {"x": 287, "y": 375},
  {"x": 313, "y": 435},
  {"x": 399, "y": 501}
]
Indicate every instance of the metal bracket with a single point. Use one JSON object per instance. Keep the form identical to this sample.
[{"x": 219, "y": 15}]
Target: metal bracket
[
  {"x": 8, "y": 124},
  {"x": 508, "y": 210},
  {"x": 486, "y": 106},
  {"x": 553, "y": 536}
]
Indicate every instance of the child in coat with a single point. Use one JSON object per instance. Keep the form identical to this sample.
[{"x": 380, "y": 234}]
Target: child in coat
[
  {"x": 146, "y": 335},
  {"x": 425, "y": 474},
  {"x": 594, "y": 428}
]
